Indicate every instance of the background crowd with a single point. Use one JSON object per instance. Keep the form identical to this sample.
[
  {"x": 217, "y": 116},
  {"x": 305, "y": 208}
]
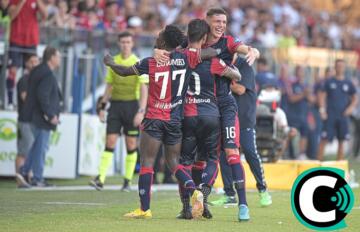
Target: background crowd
[{"x": 261, "y": 23}]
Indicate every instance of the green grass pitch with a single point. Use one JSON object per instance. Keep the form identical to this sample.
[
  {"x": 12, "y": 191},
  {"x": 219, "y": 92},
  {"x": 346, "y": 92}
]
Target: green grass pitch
[{"x": 54, "y": 211}]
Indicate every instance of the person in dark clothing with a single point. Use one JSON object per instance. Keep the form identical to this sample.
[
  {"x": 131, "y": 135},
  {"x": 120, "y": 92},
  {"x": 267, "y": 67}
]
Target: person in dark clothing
[
  {"x": 24, "y": 136},
  {"x": 42, "y": 107}
]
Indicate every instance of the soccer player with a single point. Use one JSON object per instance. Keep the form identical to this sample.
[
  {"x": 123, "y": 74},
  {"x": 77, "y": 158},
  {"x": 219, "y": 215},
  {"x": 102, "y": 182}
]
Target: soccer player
[
  {"x": 127, "y": 109},
  {"x": 201, "y": 124},
  {"x": 245, "y": 95},
  {"x": 227, "y": 46},
  {"x": 168, "y": 83},
  {"x": 337, "y": 102}
]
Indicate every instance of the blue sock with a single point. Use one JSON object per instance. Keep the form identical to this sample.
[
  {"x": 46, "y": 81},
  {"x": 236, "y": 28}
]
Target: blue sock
[
  {"x": 238, "y": 177},
  {"x": 197, "y": 171},
  {"x": 184, "y": 178},
  {"x": 210, "y": 173},
  {"x": 145, "y": 182}
]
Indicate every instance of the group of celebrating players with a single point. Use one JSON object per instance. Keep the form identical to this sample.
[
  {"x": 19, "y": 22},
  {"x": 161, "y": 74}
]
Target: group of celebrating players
[{"x": 191, "y": 112}]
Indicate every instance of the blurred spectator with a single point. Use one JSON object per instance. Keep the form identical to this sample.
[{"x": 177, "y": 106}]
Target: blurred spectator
[
  {"x": 51, "y": 8},
  {"x": 23, "y": 39},
  {"x": 297, "y": 109},
  {"x": 25, "y": 137},
  {"x": 63, "y": 19},
  {"x": 264, "y": 76},
  {"x": 356, "y": 122},
  {"x": 169, "y": 11},
  {"x": 287, "y": 40},
  {"x": 4, "y": 19},
  {"x": 135, "y": 25},
  {"x": 42, "y": 107},
  {"x": 151, "y": 25},
  {"x": 245, "y": 34},
  {"x": 314, "y": 118},
  {"x": 337, "y": 102},
  {"x": 113, "y": 21}
]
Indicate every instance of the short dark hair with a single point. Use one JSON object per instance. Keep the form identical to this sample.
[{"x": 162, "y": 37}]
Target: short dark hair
[
  {"x": 48, "y": 53},
  {"x": 172, "y": 36},
  {"x": 125, "y": 34},
  {"x": 197, "y": 29},
  {"x": 262, "y": 60},
  {"x": 29, "y": 56},
  {"x": 216, "y": 11}
]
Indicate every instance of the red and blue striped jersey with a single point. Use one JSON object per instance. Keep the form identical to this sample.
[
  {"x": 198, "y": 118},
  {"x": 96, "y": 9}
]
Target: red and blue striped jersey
[
  {"x": 168, "y": 83},
  {"x": 201, "y": 97},
  {"x": 227, "y": 46}
]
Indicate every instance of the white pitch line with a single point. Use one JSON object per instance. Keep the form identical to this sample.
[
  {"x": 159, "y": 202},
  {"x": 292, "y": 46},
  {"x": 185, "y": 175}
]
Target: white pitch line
[{"x": 72, "y": 203}]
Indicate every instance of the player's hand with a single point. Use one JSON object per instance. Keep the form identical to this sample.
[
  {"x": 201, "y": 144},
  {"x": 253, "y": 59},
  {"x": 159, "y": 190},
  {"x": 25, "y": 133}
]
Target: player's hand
[
  {"x": 108, "y": 60},
  {"x": 348, "y": 112},
  {"x": 102, "y": 116},
  {"x": 55, "y": 120},
  {"x": 138, "y": 119},
  {"x": 323, "y": 115},
  {"x": 252, "y": 55},
  {"x": 161, "y": 56}
]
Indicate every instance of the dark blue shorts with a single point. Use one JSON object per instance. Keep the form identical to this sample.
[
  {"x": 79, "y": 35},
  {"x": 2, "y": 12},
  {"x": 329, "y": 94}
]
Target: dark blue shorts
[
  {"x": 230, "y": 126},
  {"x": 167, "y": 132},
  {"x": 300, "y": 124},
  {"x": 201, "y": 136},
  {"x": 338, "y": 127},
  {"x": 17, "y": 54}
]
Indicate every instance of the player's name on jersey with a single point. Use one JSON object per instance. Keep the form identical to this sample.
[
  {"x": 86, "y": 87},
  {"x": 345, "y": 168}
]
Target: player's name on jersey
[
  {"x": 191, "y": 100},
  {"x": 166, "y": 106},
  {"x": 176, "y": 62}
]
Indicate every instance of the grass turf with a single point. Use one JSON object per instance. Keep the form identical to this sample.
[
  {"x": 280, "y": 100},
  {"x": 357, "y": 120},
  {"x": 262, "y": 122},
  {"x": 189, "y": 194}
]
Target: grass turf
[{"x": 45, "y": 211}]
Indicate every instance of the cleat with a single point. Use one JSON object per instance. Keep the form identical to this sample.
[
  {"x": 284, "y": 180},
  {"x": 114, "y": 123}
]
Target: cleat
[
  {"x": 184, "y": 215},
  {"x": 243, "y": 213},
  {"x": 207, "y": 214},
  {"x": 126, "y": 186},
  {"x": 265, "y": 199},
  {"x": 96, "y": 183},
  {"x": 139, "y": 213},
  {"x": 224, "y": 201},
  {"x": 197, "y": 200}
]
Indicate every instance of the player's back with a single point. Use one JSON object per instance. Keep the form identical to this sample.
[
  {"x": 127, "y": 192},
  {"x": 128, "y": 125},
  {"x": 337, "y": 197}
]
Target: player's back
[
  {"x": 201, "y": 96},
  {"x": 168, "y": 83}
]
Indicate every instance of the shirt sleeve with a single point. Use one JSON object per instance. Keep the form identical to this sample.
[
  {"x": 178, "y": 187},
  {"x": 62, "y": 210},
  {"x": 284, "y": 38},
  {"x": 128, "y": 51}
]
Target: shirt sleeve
[
  {"x": 193, "y": 56},
  {"x": 142, "y": 67},
  {"x": 233, "y": 44},
  {"x": 109, "y": 76},
  {"x": 352, "y": 89},
  {"x": 144, "y": 79},
  {"x": 217, "y": 66}
]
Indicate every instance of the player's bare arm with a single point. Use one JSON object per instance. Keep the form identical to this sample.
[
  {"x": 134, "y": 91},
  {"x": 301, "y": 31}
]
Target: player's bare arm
[
  {"x": 251, "y": 54},
  {"x": 118, "y": 69},
  {"x": 237, "y": 88},
  {"x": 352, "y": 105},
  {"x": 207, "y": 53},
  {"x": 232, "y": 73}
]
